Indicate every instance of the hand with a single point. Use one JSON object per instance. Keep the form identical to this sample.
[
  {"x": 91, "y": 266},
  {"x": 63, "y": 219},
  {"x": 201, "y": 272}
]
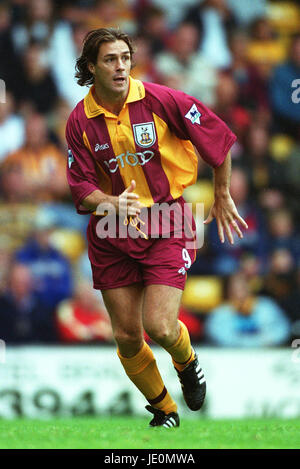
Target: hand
[
  {"x": 128, "y": 201},
  {"x": 226, "y": 215}
]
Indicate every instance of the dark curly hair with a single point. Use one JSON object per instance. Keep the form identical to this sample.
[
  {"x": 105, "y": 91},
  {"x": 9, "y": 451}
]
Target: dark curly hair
[{"x": 91, "y": 44}]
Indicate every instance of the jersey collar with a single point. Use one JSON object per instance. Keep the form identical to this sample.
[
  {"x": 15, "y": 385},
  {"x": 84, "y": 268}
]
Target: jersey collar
[{"x": 93, "y": 109}]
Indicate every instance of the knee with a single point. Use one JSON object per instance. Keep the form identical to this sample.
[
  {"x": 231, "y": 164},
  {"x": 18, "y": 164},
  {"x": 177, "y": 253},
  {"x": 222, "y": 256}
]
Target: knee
[
  {"x": 163, "y": 333},
  {"x": 129, "y": 341}
]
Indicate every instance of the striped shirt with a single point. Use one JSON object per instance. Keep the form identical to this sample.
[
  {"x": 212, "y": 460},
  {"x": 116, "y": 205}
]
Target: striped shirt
[{"x": 151, "y": 141}]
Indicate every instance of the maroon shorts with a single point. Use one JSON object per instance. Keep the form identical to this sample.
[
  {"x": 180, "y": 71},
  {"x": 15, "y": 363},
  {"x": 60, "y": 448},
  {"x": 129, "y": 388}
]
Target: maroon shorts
[{"x": 118, "y": 262}]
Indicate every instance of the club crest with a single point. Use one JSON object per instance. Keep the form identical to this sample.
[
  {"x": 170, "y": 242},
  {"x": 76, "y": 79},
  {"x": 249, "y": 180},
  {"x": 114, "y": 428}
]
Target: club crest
[{"x": 144, "y": 134}]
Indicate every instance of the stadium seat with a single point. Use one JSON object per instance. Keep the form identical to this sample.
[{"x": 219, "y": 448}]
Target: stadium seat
[
  {"x": 284, "y": 17},
  {"x": 202, "y": 293},
  {"x": 69, "y": 242},
  {"x": 281, "y": 147},
  {"x": 203, "y": 192},
  {"x": 268, "y": 53}
]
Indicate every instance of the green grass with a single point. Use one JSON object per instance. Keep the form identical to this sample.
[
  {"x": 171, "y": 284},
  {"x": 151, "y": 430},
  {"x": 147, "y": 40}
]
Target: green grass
[{"x": 133, "y": 433}]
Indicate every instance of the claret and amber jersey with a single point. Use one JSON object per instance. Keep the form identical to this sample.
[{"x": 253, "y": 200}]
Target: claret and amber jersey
[{"x": 151, "y": 141}]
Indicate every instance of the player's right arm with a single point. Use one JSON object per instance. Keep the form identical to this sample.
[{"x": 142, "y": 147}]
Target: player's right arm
[
  {"x": 84, "y": 182},
  {"x": 127, "y": 202}
]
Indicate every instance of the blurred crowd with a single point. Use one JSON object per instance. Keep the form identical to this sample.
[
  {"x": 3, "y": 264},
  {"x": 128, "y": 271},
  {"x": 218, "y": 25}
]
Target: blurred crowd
[{"x": 242, "y": 59}]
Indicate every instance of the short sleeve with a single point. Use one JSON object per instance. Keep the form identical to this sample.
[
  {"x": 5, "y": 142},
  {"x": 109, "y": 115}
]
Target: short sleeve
[
  {"x": 81, "y": 172},
  {"x": 189, "y": 119}
]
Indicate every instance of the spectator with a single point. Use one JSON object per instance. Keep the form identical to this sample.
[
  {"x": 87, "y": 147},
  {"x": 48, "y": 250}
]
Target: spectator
[
  {"x": 250, "y": 268},
  {"x": 17, "y": 220},
  {"x": 214, "y": 52},
  {"x": 245, "y": 12},
  {"x": 62, "y": 60},
  {"x": 22, "y": 318},
  {"x": 144, "y": 68},
  {"x": 110, "y": 13},
  {"x": 71, "y": 12},
  {"x": 282, "y": 283},
  {"x": 281, "y": 265},
  {"x": 286, "y": 109},
  {"x": 5, "y": 263},
  {"x": 57, "y": 123},
  {"x": 11, "y": 128},
  {"x": 13, "y": 187},
  {"x": 272, "y": 199},
  {"x": 205, "y": 261},
  {"x": 50, "y": 269},
  {"x": 153, "y": 26},
  {"x": 41, "y": 25},
  {"x": 263, "y": 170},
  {"x": 10, "y": 66},
  {"x": 61, "y": 215},
  {"x": 265, "y": 50},
  {"x": 35, "y": 89},
  {"x": 228, "y": 108},
  {"x": 253, "y": 87},
  {"x": 214, "y": 20},
  {"x": 83, "y": 318},
  {"x": 183, "y": 67},
  {"x": 227, "y": 257},
  {"x": 292, "y": 171},
  {"x": 39, "y": 164},
  {"x": 37, "y": 25},
  {"x": 283, "y": 233},
  {"x": 245, "y": 320}
]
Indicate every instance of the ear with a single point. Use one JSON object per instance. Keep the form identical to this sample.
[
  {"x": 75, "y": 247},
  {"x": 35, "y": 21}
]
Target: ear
[{"x": 91, "y": 68}]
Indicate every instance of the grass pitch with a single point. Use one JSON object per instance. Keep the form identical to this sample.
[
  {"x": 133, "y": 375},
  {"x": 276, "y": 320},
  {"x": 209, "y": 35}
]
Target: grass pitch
[{"x": 133, "y": 433}]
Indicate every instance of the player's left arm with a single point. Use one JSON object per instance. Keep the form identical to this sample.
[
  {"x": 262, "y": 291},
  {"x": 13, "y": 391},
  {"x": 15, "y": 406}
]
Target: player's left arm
[
  {"x": 189, "y": 119},
  {"x": 223, "y": 208}
]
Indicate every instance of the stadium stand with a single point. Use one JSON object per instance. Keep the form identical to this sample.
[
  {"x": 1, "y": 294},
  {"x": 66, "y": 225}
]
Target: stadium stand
[{"x": 239, "y": 57}]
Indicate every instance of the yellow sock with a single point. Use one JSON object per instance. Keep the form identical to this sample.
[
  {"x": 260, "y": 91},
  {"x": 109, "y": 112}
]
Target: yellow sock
[
  {"x": 143, "y": 372},
  {"x": 181, "y": 352}
]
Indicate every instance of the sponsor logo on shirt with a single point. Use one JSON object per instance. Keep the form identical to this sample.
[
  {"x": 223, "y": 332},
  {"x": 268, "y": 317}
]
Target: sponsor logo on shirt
[
  {"x": 70, "y": 158},
  {"x": 144, "y": 134},
  {"x": 101, "y": 147},
  {"x": 131, "y": 159},
  {"x": 194, "y": 115}
]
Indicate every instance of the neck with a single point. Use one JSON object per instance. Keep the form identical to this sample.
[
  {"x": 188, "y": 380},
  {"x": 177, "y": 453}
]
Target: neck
[{"x": 110, "y": 101}]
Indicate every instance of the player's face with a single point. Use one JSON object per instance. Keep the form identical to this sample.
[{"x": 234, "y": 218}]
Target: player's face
[{"x": 113, "y": 67}]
